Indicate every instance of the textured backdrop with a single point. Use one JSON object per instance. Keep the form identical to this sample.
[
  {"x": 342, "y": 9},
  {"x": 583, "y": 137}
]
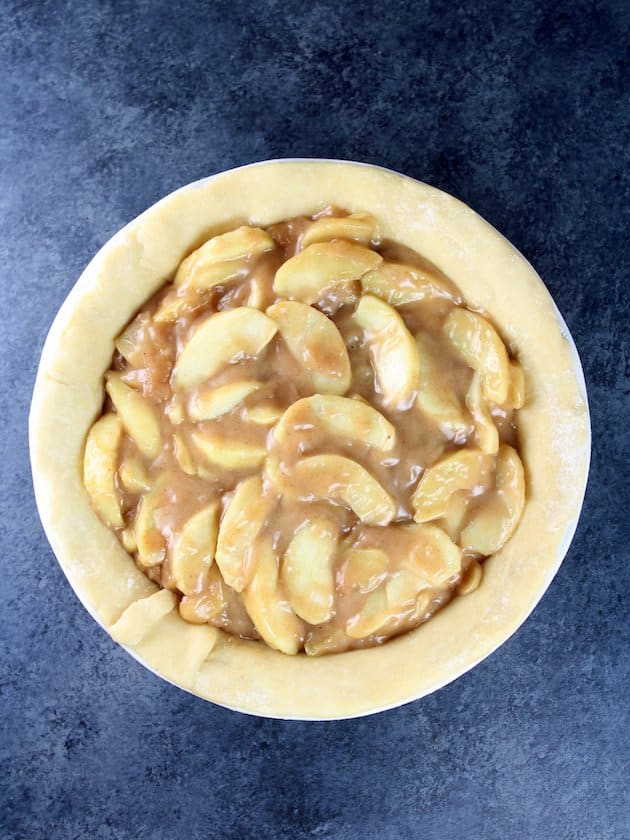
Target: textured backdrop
[{"x": 521, "y": 110}]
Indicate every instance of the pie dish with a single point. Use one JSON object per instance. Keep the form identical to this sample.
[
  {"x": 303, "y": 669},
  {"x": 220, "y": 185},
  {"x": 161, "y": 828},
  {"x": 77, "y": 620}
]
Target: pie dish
[{"x": 553, "y": 438}]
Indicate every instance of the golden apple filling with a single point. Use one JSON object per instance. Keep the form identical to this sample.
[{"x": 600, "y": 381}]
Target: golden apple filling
[{"x": 309, "y": 437}]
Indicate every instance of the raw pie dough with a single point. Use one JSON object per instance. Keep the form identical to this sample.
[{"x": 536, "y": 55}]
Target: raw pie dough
[{"x": 493, "y": 278}]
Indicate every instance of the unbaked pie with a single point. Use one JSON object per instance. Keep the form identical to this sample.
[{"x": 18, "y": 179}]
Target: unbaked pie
[{"x": 300, "y": 406}]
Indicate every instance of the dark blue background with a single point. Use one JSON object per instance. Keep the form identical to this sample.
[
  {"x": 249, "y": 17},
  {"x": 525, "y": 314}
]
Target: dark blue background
[{"x": 521, "y": 110}]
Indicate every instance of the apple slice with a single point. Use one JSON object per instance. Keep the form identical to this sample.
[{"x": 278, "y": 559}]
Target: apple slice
[
  {"x": 99, "y": 468},
  {"x": 402, "y": 590},
  {"x": 211, "y": 604},
  {"x": 194, "y": 549},
  {"x": 211, "y": 264},
  {"x": 228, "y": 453},
  {"x": 138, "y": 416},
  {"x": 353, "y": 420},
  {"x": 393, "y": 352},
  {"x": 471, "y": 579},
  {"x": 325, "y": 268},
  {"x": 343, "y": 482},
  {"x": 133, "y": 476},
  {"x": 435, "y": 399},
  {"x": 270, "y": 612},
  {"x": 215, "y": 402},
  {"x": 326, "y": 638},
  {"x": 315, "y": 342},
  {"x": 372, "y": 616},
  {"x": 456, "y": 514},
  {"x": 190, "y": 294},
  {"x": 398, "y": 284},
  {"x": 128, "y": 540},
  {"x": 464, "y": 469},
  {"x": 479, "y": 344},
  {"x": 240, "y": 525},
  {"x": 222, "y": 338},
  {"x": 360, "y": 227},
  {"x": 486, "y": 433},
  {"x": 430, "y": 554},
  {"x": 150, "y": 540},
  {"x": 307, "y": 571},
  {"x": 404, "y": 594},
  {"x": 265, "y": 414},
  {"x": 516, "y": 391},
  {"x": 339, "y": 417},
  {"x": 132, "y": 340},
  {"x": 363, "y": 569},
  {"x": 499, "y": 513},
  {"x": 183, "y": 456}
]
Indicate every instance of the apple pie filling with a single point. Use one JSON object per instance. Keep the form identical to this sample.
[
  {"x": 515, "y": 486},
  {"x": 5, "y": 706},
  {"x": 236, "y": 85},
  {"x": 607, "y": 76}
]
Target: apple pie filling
[{"x": 309, "y": 437}]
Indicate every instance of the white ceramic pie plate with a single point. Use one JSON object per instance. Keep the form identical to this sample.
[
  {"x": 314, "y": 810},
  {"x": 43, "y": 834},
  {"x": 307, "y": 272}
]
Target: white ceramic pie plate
[{"x": 455, "y": 672}]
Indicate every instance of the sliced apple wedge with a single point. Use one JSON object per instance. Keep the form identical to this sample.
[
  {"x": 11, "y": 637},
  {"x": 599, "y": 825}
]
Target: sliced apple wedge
[
  {"x": 128, "y": 540},
  {"x": 339, "y": 417},
  {"x": 471, "y": 579},
  {"x": 100, "y": 462},
  {"x": 315, "y": 342},
  {"x": 353, "y": 420},
  {"x": 363, "y": 569},
  {"x": 212, "y": 263},
  {"x": 221, "y": 339},
  {"x": 373, "y": 615},
  {"x": 499, "y": 513},
  {"x": 270, "y": 612},
  {"x": 183, "y": 456},
  {"x": 228, "y": 453},
  {"x": 197, "y": 280},
  {"x": 307, "y": 571},
  {"x": 173, "y": 306},
  {"x": 138, "y": 416},
  {"x": 194, "y": 549},
  {"x": 175, "y": 412},
  {"x": 133, "y": 476},
  {"x": 260, "y": 295},
  {"x": 326, "y": 638},
  {"x": 430, "y": 554},
  {"x": 397, "y": 284},
  {"x": 435, "y": 398},
  {"x": 486, "y": 433},
  {"x": 344, "y": 482},
  {"x": 394, "y": 599},
  {"x": 393, "y": 352},
  {"x": 215, "y": 402},
  {"x": 456, "y": 514},
  {"x": 201, "y": 276},
  {"x": 240, "y": 525},
  {"x": 150, "y": 540},
  {"x": 516, "y": 391},
  {"x": 406, "y": 594},
  {"x": 360, "y": 227},
  {"x": 211, "y": 604},
  {"x": 265, "y": 414},
  {"x": 464, "y": 469},
  {"x": 325, "y": 268},
  {"x": 131, "y": 340},
  {"x": 480, "y": 346}
]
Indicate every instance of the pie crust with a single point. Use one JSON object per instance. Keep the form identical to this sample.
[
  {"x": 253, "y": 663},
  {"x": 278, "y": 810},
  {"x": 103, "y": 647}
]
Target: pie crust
[{"x": 554, "y": 441}]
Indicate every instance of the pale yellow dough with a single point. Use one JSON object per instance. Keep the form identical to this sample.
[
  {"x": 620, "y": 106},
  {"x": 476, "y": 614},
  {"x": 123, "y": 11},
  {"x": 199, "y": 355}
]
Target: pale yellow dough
[{"x": 553, "y": 429}]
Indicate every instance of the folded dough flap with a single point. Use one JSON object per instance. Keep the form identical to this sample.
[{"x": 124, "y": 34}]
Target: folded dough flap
[{"x": 153, "y": 629}]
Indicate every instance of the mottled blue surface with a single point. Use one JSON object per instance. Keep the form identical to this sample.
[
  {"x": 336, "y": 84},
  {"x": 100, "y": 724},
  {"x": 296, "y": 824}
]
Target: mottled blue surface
[{"x": 520, "y": 109}]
